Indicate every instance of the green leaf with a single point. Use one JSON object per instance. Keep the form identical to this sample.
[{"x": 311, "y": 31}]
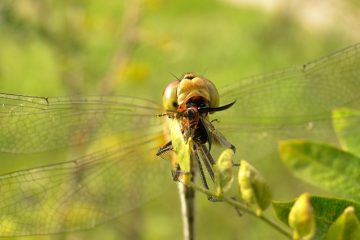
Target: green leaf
[
  {"x": 346, "y": 227},
  {"x": 326, "y": 211},
  {"x": 182, "y": 149},
  {"x": 324, "y": 166},
  {"x": 346, "y": 123}
]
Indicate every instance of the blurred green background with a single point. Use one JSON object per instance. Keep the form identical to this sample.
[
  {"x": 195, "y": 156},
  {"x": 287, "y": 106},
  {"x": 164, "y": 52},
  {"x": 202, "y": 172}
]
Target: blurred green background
[{"x": 88, "y": 47}]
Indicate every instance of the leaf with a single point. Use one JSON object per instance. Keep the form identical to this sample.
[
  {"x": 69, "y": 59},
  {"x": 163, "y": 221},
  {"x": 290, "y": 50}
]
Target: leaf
[
  {"x": 346, "y": 227},
  {"x": 346, "y": 123},
  {"x": 182, "y": 149},
  {"x": 324, "y": 166},
  {"x": 326, "y": 211}
]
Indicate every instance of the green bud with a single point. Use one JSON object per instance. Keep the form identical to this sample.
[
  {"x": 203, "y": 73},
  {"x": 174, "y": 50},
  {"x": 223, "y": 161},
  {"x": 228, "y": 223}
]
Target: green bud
[
  {"x": 346, "y": 226},
  {"x": 224, "y": 171},
  {"x": 254, "y": 190},
  {"x": 301, "y": 218}
]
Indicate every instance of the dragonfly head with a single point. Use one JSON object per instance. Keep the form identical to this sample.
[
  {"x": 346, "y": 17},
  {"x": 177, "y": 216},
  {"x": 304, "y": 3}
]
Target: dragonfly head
[
  {"x": 190, "y": 88},
  {"x": 193, "y": 88}
]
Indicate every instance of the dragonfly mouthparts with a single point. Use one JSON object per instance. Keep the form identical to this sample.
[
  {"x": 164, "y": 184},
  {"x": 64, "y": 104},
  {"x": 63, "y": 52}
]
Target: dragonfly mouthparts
[{"x": 208, "y": 109}]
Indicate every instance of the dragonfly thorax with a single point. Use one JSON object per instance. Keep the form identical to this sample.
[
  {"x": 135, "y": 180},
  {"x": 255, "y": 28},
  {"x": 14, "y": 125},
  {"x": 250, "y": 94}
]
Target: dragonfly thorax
[{"x": 190, "y": 118}]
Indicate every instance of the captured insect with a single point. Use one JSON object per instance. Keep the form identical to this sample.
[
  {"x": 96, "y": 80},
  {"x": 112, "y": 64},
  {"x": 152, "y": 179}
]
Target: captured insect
[{"x": 129, "y": 139}]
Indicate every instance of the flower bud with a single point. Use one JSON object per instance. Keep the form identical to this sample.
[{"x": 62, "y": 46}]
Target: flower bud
[
  {"x": 346, "y": 226},
  {"x": 301, "y": 218},
  {"x": 224, "y": 171},
  {"x": 254, "y": 190}
]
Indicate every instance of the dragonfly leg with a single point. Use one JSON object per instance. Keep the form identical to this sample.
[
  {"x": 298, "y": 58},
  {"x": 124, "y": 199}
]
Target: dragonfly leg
[
  {"x": 177, "y": 172},
  {"x": 237, "y": 209},
  {"x": 233, "y": 148},
  {"x": 167, "y": 147},
  {"x": 202, "y": 175},
  {"x": 236, "y": 164},
  {"x": 215, "y": 120},
  {"x": 208, "y": 161}
]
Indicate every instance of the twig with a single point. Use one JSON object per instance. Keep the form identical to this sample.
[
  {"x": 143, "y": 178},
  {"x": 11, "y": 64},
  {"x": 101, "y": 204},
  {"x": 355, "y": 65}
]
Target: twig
[
  {"x": 241, "y": 207},
  {"x": 187, "y": 200}
]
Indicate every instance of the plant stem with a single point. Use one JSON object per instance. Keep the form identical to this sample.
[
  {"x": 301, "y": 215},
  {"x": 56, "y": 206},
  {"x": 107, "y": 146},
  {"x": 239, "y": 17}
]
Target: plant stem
[
  {"x": 241, "y": 207},
  {"x": 187, "y": 200}
]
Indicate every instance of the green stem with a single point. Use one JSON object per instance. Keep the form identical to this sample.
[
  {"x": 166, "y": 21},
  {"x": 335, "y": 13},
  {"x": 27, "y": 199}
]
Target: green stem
[{"x": 241, "y": 207}]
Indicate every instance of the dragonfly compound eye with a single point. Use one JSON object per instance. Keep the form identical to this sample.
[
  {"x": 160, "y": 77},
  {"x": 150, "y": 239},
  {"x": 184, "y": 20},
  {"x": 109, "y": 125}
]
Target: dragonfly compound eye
[
  {"x": 193, "y": 86},
  {"x": 170, "y": 96}
]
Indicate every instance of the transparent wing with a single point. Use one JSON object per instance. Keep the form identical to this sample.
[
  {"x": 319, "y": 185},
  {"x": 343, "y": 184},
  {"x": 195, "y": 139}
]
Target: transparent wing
[
  {"x": 93, "y": 188},
  {"x": 293, "y": 103},
  {"x": 82, "y": 193},
  {"x": 36, "y": 124}
]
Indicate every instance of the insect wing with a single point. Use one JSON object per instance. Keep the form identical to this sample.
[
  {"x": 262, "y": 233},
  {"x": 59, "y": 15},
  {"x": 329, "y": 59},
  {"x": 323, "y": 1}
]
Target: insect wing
[
  {"x": 78, "y": 194},
  {"x": 293, "y": 103},
  {"x": 37, "y": 124}
]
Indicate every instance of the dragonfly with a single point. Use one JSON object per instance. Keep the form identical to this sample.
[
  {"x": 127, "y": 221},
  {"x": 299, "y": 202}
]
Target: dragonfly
[{"x": 121, "y": 168}]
